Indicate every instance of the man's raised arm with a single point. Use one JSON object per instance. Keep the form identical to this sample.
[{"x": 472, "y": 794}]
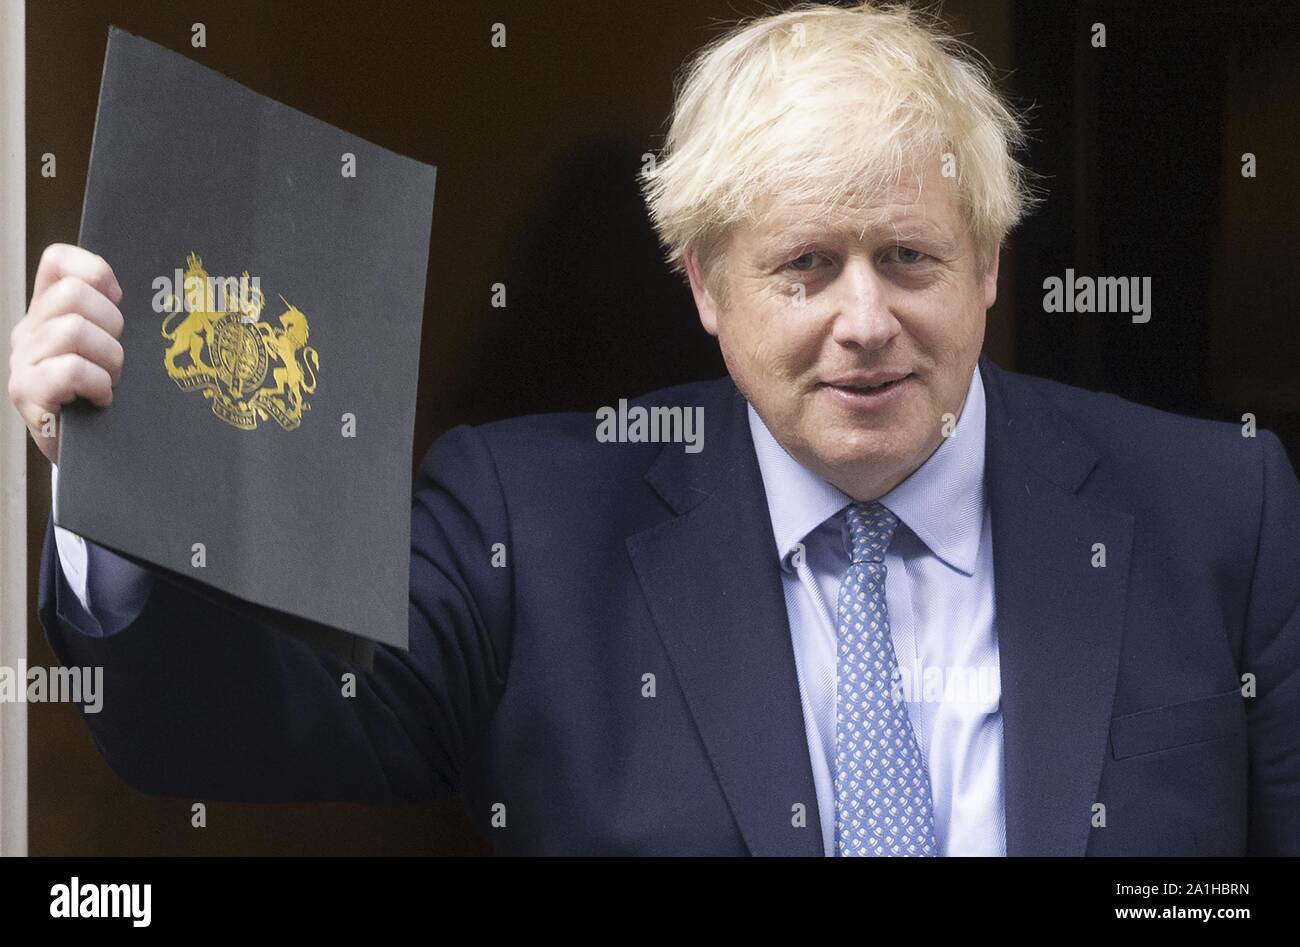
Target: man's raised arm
[{"x": 198, "y": 701}]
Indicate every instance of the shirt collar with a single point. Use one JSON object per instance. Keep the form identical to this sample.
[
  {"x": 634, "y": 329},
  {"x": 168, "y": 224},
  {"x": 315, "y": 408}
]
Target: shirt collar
[{"x": 942, "y": 502}]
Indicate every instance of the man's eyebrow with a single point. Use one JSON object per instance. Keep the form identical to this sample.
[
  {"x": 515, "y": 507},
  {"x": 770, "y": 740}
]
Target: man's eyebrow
[
  {"x": 902, "y": 231},
  {"x": 932, "y": 235}
]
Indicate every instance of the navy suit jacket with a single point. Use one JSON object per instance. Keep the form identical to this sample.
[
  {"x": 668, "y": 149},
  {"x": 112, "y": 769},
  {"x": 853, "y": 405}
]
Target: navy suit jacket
[{"x": 525, "y": 687}]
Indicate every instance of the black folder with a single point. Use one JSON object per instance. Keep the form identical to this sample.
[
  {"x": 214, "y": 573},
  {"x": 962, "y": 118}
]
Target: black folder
[{"x": 258, "y": 446}]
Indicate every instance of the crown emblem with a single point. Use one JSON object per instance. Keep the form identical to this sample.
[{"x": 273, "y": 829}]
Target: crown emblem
[{"x": 250, "y": 370}]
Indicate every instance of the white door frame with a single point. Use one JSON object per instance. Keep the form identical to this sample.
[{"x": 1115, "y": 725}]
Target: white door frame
[{"x": 13, "y": 432}]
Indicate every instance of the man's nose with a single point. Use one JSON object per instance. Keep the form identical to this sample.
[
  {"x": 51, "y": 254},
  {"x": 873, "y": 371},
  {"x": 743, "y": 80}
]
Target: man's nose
[{"x": 864, "y": 315}]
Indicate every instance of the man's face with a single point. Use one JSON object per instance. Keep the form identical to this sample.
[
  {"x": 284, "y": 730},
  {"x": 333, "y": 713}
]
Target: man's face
[{"x": 818, "y": 313}]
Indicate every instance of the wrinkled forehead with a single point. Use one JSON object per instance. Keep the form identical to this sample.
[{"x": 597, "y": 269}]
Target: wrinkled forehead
[{"x": 913, "y": 206}]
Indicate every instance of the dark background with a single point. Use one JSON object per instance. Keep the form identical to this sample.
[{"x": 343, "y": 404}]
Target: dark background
[{"x": 1138, "y": 147}]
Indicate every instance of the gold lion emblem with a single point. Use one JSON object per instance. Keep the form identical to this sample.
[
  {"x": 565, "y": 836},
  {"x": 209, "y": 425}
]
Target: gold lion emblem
[{"x": 227, "y": 353}]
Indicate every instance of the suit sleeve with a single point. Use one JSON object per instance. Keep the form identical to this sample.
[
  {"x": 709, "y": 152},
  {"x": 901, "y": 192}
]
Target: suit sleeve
[
  {"x": 199, "y": 702},
  {"x": 1272, "y": 654}
]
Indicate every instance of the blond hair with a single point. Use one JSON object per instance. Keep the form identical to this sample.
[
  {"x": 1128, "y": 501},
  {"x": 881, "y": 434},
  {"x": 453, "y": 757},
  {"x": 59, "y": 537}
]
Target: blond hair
[{"x": 825, "y": 105}]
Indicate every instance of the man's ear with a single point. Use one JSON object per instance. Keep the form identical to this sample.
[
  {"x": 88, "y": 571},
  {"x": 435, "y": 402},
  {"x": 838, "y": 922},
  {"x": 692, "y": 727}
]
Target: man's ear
[
  {"x": 990, "y": 285},
  {"x": 704, "y": 302}
]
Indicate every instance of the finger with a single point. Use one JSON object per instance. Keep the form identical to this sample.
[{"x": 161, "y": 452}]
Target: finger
[
  {"x": 38, "y": 417},
  {"x": 76, "y": 334},
  {"x": 60, "y": 379},
  {"x": 72, "y": 294},
  {"x": 63, "y": 259},
  {"x": 37, "y": 395}
]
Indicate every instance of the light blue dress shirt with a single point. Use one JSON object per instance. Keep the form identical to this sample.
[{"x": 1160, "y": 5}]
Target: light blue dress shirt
[{"x": 939, "y": 592}]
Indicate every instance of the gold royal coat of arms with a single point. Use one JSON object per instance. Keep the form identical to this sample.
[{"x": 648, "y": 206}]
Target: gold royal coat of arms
[{"x": 249, "y": 369}]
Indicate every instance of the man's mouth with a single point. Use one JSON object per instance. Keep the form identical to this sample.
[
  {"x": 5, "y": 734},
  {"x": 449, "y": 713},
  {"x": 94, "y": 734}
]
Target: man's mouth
[{"x": 867, "y": 391}]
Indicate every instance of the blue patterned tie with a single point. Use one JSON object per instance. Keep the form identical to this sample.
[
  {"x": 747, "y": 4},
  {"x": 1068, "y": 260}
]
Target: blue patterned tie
[{"x": 882, "y": 788}]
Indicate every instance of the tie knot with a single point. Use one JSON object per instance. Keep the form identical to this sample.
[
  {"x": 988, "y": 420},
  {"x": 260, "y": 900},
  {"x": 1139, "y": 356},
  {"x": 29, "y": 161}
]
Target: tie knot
[{"x": 870, "y": 528}]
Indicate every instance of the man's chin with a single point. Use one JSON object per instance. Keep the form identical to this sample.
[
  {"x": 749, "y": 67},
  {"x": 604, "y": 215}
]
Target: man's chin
[{"x": 856, "y": 452}]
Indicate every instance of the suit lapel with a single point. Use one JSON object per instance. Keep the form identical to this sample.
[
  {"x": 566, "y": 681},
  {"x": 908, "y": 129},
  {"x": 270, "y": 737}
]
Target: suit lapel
[
  {"x": 1059, "y": 619},
  {"x": 712, "y": 581},
  {"x": 713, "y": 585}
]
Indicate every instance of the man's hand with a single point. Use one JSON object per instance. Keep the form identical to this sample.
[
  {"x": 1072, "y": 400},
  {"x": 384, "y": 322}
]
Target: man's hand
[{"x": 66, "y": 346}]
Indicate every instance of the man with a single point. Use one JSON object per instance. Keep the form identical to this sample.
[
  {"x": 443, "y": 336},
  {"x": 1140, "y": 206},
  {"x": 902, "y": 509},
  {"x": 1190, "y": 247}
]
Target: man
[{"x": 903, "y": 602}]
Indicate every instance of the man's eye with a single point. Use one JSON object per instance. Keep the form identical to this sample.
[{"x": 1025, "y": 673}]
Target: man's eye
[
  {"x": 805, "y": 262},
  {"x": 905, "y": 255}
]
